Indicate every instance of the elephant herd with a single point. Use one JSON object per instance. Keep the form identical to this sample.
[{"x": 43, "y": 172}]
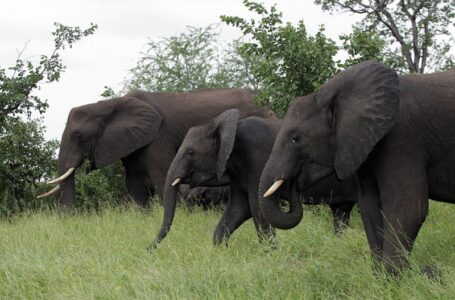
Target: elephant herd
[{"x": 368, "y": 136}]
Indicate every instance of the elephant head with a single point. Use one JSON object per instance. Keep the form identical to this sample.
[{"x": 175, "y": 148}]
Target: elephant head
[
  {"x": 331, "y": 131},
  {"x": 103, "y": 133},
  {"x": 203, "y": 154}
]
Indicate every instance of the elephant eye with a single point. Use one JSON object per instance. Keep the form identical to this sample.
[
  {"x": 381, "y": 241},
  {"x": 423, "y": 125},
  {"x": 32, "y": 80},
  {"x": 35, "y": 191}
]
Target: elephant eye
[
  {"x": 190, "y": 153},
  {"x": 295, "y": 139}
]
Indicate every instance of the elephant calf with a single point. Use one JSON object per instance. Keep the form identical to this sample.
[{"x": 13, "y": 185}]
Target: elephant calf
[{"x": 240, "y": 149}]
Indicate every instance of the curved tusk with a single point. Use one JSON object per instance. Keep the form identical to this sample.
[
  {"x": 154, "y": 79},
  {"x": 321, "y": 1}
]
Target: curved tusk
[
  {"x": 276, "y": 185},
  {"x": 53, "y": 191},
  {"x": 176, "y": 181},
  {"x": 63, "y": 177}
]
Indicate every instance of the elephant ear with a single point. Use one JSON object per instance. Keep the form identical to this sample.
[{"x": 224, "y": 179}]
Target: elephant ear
[
  {"x": 129, "y": 125},
  {"x": 364, "y": 100},
  {"x": 225, "y": 128}
]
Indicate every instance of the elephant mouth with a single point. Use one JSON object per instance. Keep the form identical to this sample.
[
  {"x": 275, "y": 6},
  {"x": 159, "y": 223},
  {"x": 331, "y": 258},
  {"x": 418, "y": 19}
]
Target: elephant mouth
[
  {"x": 57, "y": 181},
  {"x": 294, "y": 178},
  {"x": 194, "y": 179},
  {"x": 302, "y": 178}
]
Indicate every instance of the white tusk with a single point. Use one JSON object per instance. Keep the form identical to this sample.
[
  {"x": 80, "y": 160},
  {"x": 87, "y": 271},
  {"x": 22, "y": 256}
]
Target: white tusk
[
  {"x": 177, "y": 180},
  {"x": 63, "y": 177},
  {"x": 53, "y": 191},
  {"x": 276, "y": 185}
]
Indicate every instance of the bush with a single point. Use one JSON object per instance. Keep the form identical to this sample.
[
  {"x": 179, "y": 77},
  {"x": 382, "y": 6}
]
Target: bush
[
  {"x": 25, "y": 159},
  {"x": 100, "y": 188}
]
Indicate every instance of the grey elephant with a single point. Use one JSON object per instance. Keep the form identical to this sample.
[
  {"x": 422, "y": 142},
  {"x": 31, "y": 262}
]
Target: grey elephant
[
  {"x": 207, "y": 197},
  {"x": 142, "y": 129},
  {"x": 396, "y": 132},
  {"x": 239, "y": 149}
]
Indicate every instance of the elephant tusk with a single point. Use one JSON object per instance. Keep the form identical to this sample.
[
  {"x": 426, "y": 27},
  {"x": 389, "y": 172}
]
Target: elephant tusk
[
  {"x": 63, "y": 177},
  {"x": 276, "y": 185},
  {"x": 176, "y": 181},
  {"x": 53, "y": 191}
]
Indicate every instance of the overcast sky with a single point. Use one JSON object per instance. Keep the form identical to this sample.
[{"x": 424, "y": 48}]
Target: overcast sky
[{"x": 124, "y": 26}]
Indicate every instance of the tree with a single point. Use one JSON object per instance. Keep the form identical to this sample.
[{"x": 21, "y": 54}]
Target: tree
[
  {"x": 17, "y": 85},
  {"x": 25, "y": 155},
  {"x": 362, "y": 45},
  {"x": 188, "y": 61},
  {"x": 420, "y": 28},
  {"x": 286, "y": 61}
]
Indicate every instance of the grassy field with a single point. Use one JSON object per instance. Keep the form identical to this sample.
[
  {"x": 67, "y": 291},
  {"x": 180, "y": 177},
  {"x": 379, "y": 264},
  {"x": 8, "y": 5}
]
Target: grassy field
[{"x": 103, "y": 256}]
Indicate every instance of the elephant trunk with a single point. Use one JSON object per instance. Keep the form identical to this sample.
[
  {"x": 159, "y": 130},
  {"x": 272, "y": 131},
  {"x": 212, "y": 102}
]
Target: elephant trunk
[
  {"x": 170, "y": 201},
  {"x": 67, "y": 193},
  {"x": 69, "y": 159},
  {"x": 270, "y": 206}
]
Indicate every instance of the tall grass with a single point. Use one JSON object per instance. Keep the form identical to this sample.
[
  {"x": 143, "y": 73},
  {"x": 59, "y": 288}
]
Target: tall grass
[{"x": 103, "y": 256}]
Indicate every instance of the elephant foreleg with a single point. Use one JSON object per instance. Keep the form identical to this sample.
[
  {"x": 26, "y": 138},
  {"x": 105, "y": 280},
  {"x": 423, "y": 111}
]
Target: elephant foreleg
[
  {"x": 370, "y": 211},
  {"x": 405, "y": 207},
  {"x": 235, "y": 214},
  {"x": 137, "y": 188},
  {"x": 341, "y": 214}
]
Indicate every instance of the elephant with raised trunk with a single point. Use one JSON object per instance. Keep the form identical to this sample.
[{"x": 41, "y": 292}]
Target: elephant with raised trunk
[
  {"x": 142, "y": 129},
  {"x": 395, "y": 132},
  {"x": 239, "y": 149}
]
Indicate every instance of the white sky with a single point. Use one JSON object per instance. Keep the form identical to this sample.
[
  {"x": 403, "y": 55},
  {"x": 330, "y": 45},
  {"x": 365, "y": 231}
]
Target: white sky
[{"x": 124, "y": 26}]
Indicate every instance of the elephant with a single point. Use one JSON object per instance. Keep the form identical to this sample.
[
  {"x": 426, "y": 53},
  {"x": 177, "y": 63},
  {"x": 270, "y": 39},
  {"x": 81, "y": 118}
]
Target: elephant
[
  {"x": 142, "y": 129},
  {"x": 395, "y": 132},
  {"x": 239, "y": 149},
  {"x": 207, "y": 197}
]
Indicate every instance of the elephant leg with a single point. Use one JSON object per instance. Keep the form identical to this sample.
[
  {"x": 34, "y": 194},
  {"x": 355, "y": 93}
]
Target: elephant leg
[
  {"x": 235, "y": 214},
  {"x": 341, "y": 214},
  {"x": 159, "y": 157},
  {"x": 136, "y": 188},
  {"x": 370, "y": 212},
  {"x": 405, "y": 207}
]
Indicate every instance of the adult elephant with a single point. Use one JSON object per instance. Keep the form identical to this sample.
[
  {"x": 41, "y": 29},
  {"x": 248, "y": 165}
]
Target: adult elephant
[
  {"x": 143, "y": 129},
  {"x": 395, "y": 131},
  {"x": 239, "y": 149}
]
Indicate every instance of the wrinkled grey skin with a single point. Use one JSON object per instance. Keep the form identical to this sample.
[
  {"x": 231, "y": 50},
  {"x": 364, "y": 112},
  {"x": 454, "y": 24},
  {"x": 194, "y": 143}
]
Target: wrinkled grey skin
[
  {"x": 239, "y": 149},
  {"x": 397, "y": 132},
  {"x": 207, "y": 197},
  {"x": 142, "y": 129}
]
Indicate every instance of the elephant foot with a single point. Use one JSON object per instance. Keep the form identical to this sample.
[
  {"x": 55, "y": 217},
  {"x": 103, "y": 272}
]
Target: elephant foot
[
  {"x": 269, "y": 245},
  {"x": 432, "y": 272}
]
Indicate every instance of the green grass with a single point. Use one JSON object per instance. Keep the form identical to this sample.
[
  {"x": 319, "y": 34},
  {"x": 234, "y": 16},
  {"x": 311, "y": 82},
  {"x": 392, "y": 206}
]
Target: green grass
[{"x": 103, "y": 256}]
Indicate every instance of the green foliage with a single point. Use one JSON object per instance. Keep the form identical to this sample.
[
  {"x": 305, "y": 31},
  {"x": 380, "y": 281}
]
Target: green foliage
[
  {"x": 367, "y": 44},
  {"x": 103, "y": 256},
  {"x": 188, "y": 61},
  {"x": 286, "y": 61},
  {"x": 420, "y": 29},
  {"x": 100, "y": 188},
  {"x": 17, "y": 84},
  {"x": 25, "y": 158}
]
